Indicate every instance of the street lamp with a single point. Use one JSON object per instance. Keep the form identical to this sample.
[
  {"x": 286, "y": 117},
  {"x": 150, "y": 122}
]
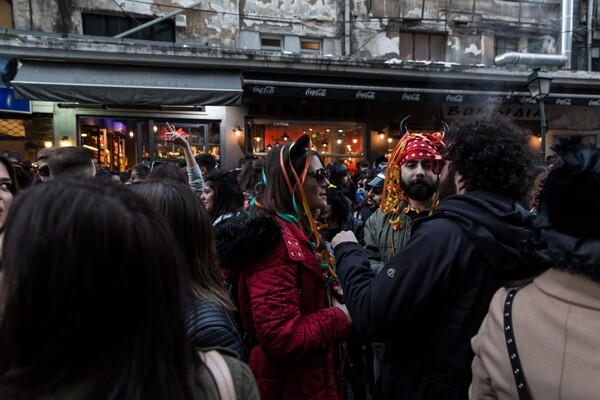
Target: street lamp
[{"x": 538, "y": 83}]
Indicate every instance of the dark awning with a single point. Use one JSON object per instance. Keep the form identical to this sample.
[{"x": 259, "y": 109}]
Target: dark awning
[
  {"x": 413, "y": 91},
  {"x": 126, "y": 85}
]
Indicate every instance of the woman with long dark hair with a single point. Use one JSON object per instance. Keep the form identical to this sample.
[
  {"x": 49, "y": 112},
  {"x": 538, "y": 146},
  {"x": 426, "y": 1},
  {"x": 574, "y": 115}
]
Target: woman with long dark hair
[
  {"x": 9, "y": 187},
  {"x": 283, "y": 280},
  {"x": 222, "y": 195},
  {"x": 209, "y": 322},
  {"x": 94, "y": 292}
]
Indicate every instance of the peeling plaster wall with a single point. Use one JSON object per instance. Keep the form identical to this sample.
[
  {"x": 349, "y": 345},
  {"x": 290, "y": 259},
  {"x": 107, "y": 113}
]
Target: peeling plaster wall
[
  {"x": 470, "y": 25},
  {"x": 309, "y": 18},
  {"x": 373, "y": 28}
]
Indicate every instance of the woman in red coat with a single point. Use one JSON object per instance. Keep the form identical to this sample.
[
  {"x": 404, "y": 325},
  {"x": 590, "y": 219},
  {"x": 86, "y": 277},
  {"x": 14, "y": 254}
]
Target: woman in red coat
[{"x": 282, "y": 283}]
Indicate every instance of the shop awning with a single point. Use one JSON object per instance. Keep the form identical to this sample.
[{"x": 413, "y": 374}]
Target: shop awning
[
  {"x": 126, "y": 85},
  {"x": 310, "y": 87}
]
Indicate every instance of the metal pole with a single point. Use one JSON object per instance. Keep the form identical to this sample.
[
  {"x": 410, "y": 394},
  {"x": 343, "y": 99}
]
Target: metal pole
[
  {"x": 542, "y": 131},
  {"x": 590, "y": 25},
  {"x": 157, "y": 20}
]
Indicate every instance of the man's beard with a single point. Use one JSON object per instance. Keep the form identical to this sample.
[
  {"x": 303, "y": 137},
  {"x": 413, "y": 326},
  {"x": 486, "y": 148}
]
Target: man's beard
[
  {"x": 447, "y": 185},
  {"x": 419, "y": 189}
]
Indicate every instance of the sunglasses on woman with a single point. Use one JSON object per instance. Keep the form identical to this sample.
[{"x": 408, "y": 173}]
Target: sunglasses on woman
[{"x": 319, "y": 174}]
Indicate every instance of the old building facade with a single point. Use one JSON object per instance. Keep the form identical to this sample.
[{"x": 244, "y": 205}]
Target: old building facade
[{"x": 241, "y": 76}]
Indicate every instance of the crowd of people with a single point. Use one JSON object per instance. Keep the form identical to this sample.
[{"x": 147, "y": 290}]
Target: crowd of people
[{"x": 452, "y": 268}]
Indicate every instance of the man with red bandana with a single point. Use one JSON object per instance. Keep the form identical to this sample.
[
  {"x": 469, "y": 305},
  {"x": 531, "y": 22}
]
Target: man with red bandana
[{"x": 409, "y": 193}]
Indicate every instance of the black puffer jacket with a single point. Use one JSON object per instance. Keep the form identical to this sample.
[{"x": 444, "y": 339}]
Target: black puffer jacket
[
  {"x": 211, "y": 325},
  {"x": 431, "y": 298}
]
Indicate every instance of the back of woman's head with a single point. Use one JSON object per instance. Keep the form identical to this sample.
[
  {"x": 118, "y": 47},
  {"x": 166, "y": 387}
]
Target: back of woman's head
[
  {"x": 228, "y": 197},
  {"x": 339, "y": 204},
  {"x": 192, "y": 228},
  {"x": 167, "y": 171},
  {"x": 92, "y": 290},
  {"x": 284, "y": 166},
  {"x": 250, "y": 177}
]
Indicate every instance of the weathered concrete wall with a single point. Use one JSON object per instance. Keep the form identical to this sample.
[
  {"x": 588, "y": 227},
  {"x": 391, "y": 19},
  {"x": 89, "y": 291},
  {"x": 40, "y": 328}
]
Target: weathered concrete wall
[
  {"x": 373, "y": 28},
  {"x": 470, "y": 25}
]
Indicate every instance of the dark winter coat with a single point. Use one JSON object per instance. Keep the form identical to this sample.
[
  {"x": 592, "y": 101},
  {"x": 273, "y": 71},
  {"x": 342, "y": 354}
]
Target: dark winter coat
[
  {"x": 283, "y": 305},
  {"x": 210, "y": 324},
  {"x": 430, "y": 299}
]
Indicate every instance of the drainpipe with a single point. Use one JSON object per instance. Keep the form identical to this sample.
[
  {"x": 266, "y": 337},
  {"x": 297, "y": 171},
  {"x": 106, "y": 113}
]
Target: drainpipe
[
  {"x": 566, "y": 34},
  {"x": 347, "y": 27},
  {"x": 590, "y": 15},
  {"x": 30, "y": 16},
  {"x": 157, "y": 20},
  {"x": 533, "y": 60}
]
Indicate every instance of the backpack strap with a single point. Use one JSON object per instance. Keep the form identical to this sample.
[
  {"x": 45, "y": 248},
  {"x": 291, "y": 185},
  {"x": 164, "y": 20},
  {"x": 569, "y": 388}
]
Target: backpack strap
[
  {"x": 513, "y": 354},
  {"x": 220, "y": 372}
]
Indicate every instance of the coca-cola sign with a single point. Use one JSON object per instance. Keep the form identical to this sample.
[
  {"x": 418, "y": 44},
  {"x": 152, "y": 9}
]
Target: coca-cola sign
[
  {"x": 411, "y": 97},
  {"x": 494, "y": 100},
  {"x": 454, "y": 98},
  {"x": 264, "y": 90},
  {"x": 527, "y": 100},
  {"x": 316, "y": 92},
  {"x": 370, "y": 95},
  {"x": 563, "y": 102},
  {"x": 594, "y": 103}
]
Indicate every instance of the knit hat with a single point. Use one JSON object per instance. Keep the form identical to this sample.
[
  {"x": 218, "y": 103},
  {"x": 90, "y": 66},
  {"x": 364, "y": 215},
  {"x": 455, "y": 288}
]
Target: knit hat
[
  {"x": 571, "y": 194},
  {"x": 337, "y": 171}
]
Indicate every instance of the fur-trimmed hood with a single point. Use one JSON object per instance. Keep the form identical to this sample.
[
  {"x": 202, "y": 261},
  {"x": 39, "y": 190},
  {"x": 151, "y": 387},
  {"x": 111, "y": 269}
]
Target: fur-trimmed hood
[{"x": 242, "y": 242}]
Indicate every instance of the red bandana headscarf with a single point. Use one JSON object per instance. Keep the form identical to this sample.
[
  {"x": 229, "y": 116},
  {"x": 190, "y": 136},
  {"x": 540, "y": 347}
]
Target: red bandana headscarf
[{"x": 412, "y": 146}]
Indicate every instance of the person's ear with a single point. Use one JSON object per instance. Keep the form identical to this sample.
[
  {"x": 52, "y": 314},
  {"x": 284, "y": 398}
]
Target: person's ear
[
  {"x": 203, "y": 170},
  {"x": 460, "y": 183}
]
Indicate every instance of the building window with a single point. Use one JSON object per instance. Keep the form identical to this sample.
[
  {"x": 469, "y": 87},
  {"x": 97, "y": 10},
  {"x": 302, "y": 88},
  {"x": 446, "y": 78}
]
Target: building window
[
  {"x": 506, "y": 45},
  {"x": 422, "y": 46},
  {"x": 334, "y": 141},
  {"x": 270, "y": 43},
  {"x": 110, "y": 25},
  {"x": 310, "y": 46}
]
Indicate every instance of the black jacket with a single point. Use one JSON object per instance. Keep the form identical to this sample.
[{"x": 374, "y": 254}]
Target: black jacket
[
  {"x": 431, "y": 298},
  {"x": 211, "y": 325}
]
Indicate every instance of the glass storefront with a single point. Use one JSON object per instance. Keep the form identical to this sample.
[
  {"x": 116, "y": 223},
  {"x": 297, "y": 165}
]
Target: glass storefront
[
  {"x": 120, "y": 143},
  {"x": 334, "y": 141}
]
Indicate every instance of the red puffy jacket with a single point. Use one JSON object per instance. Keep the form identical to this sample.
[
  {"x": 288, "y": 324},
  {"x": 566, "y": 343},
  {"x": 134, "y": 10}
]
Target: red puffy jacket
[{"x": 283, "y": 302}]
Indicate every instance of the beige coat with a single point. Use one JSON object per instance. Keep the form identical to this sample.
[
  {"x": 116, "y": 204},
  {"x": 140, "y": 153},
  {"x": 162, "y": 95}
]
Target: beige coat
[{"x": 556, "y": 322}]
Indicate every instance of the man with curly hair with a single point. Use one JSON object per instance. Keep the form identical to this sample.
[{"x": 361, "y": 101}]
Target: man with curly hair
[{"x": 430, "y": 299}]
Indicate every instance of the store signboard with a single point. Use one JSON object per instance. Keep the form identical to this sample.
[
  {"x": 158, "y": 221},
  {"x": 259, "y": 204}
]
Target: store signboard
[{"x": 9, "y": 103}]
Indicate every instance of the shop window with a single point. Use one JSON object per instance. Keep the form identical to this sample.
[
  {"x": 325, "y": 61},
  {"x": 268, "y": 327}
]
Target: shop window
[
  {"x": 270, "y": 43},
  {"x": 422, "y": 46},
  {"x": 310, "y": 46},
  {"x": 203, "y": 138},
  {"x": 334, "y": 141},
  {"x": 505, "y": 45},
  {"x": 12, "y": 127},
  {"x": 111, "y": 25}
]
